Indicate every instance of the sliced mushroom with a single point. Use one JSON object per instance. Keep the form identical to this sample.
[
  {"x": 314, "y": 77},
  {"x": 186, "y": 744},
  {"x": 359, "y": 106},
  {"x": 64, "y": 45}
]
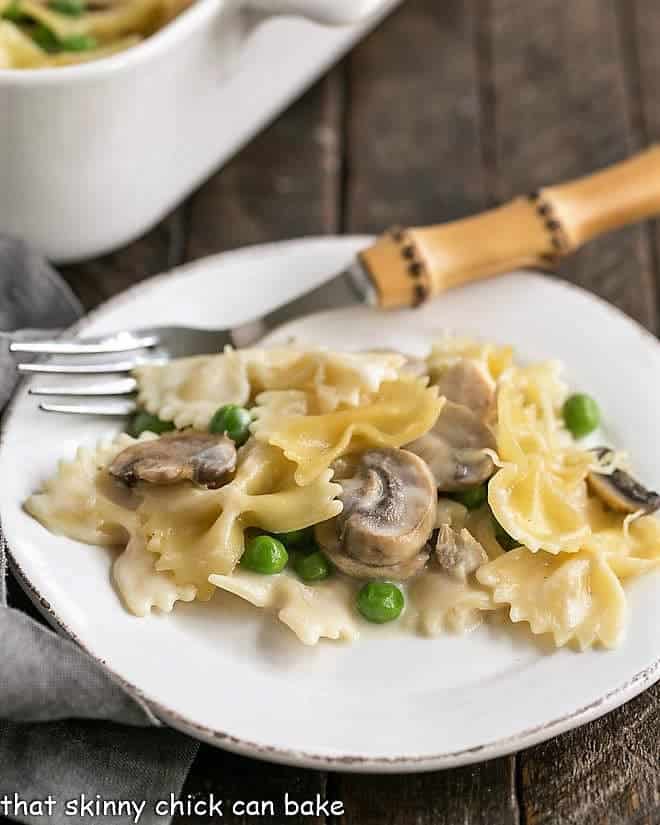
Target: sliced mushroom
[
  {"x": 206, "y": 459},
  {"x": 459, "y": 553},
  {"x": 469, "y": 383},
  {"x": 454, "y": 449},
  {"x": 389, "y": 501},
  {"x": 620, "y": 491}
]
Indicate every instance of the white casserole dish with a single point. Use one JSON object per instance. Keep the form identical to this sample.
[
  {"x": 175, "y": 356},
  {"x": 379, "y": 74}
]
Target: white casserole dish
[{"x": 91, "y": 156}]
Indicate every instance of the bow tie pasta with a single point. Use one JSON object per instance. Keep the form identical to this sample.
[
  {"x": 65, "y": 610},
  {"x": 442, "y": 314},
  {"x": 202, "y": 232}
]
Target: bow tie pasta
[
  {"x": 397, "y": 414},
  {"x": 335, "y": 490},
  {"x": 450, "y": 350},
  {"x": 539, "y": 495},
  {"x": 573, "y": 596},
  {"x": 188, "y": 391},
  {"x": 197, "y": 533},
  {"x": 80, "y": 502},
  {"x": 35, "y": 34}
]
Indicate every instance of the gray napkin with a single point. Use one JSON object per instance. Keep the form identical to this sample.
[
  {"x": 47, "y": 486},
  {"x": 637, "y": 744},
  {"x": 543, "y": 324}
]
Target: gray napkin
[{"x": 55, "y": 702}]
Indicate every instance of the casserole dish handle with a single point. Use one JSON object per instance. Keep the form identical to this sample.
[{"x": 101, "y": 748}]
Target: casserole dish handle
[{"x": 331, "y": 12}]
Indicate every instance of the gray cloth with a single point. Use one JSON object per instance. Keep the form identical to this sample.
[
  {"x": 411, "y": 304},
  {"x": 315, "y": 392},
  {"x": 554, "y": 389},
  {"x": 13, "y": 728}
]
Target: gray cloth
[{"x": 55, "y": 702}]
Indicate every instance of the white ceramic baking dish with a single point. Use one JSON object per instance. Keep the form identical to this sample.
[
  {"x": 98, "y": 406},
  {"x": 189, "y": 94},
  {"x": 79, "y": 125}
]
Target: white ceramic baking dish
[{"x": 91, "y": 156}]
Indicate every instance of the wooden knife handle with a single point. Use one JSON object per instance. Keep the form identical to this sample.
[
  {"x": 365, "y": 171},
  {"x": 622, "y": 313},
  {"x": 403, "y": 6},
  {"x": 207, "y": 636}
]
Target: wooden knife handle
[{"x": 409, "y": 266}]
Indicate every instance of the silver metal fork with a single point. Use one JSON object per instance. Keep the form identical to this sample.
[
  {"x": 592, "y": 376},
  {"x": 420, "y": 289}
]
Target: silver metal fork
[{"x": 125, "y": 350}]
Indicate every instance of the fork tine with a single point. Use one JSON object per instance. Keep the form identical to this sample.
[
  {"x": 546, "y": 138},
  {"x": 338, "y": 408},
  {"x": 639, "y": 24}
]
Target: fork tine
[
  {"x": 122, "y": 386},
  {"x": 81, "y": 369},
  {"x": 123, "y": 342},
  {"x": 115, "y": 408}
]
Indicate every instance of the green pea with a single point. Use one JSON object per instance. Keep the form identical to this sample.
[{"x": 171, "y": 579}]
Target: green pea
[
  {"x": 72, "y": 8},
  {"x": 581, "y": 414},
  {"x": 78, "y": 43},
  {"x": 505, "y": 541},
  {"x": 264, "y": 554},
  {"x": 380, "y": 602},
  {"x": 312, "y": 568},
  {"x": 472, "y": 497},
  {"x": 144, "y": 421},
  {"x": 13, "y": 12},
  {"x": 44, "y": 38},
  {"x": 296, "y": 538},
  {"x": 233, "y": 420}
]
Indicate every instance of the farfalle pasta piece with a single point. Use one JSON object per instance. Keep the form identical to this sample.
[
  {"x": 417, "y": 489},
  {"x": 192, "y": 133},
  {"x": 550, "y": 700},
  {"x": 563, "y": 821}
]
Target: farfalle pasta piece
[
  {"x": 541, "y": 503},
  {"x": 330, "y": 379},
  {"x": 631, "y": 546},
  {"x": 447, "y": 351},
  {"x": 528, "y": 405},
  {"x": 188, "y": 391},
  {"x": 439, "y": 603},
  {"x": 575, "y": 597},
  {"x": 141, "y": 586},
  {"x": 400, "y": 412},
  {"x": 197, "y": 533},
  {"x": 80, "y": 502},
  {"x": 312, "y": 613},
  {"x": 539, "y": 496}
]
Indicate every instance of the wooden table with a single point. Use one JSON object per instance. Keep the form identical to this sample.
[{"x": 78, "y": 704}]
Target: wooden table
[{"x": 449, "y": 107}]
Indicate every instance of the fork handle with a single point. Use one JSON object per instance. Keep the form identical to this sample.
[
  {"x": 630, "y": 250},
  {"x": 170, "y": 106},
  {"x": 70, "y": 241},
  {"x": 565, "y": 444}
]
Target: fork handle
[{"x": 409, "y": 266}]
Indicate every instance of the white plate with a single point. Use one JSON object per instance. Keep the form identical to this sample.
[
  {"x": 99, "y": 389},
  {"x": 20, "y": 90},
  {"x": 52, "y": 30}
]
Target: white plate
[{"x": 229, "y": 674}]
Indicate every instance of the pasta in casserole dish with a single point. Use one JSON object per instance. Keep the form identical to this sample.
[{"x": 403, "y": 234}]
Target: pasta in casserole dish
[{"x": 37, "y": 34}]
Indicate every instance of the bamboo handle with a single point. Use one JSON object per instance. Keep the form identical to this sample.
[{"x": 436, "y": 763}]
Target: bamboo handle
[{"x": 409, "y": 266}]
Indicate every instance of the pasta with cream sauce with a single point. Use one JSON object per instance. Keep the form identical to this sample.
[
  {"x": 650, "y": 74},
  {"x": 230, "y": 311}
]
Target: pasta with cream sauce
[
  {"x": 331, "y": 490},
  {"x": 39, "y": 34}
]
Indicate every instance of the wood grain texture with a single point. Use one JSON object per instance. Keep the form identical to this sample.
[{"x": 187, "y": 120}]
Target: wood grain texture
[
  {"x": 561, "y": 109},
  {"x": 481, "y": 794},
  {"x": 606, "y": 772},
  {"x": 159, "y": 250},
  {"x": 640, "y": 22},
  {"x": 284, "y": 184},
  {"x": 235, "y": 779},
  {"x": 414, "y": 153}
]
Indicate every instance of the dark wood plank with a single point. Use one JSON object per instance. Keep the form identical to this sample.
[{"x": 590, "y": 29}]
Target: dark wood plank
[
  {"x": 606, "y": 772},
  {"x": 284, "y": 184},
  {"x": 561, "y": 110},
  {"x": 238, "y": 781},
  {"x": 414, "y": 137},
  {"x": 159, "y": 250},
  {"x": 641, "y": 27},
  {"x": 481, "y": 794},
  {"x": 415, "y": 156}
]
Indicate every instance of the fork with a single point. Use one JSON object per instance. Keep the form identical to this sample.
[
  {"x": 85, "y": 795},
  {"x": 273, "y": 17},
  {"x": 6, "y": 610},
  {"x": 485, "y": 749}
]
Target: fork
[
  {"x": 157, "y": 345},
  {"x": 403, "y": 268}
]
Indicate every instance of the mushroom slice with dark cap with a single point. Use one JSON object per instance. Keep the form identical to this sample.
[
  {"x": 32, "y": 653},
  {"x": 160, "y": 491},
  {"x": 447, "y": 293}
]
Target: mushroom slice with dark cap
[
  {"x": 390, "y": 502},
  {"x": 455, "y": 449},
  {"x": 206, "y": 459},
  {"x": 458, "y": 552},
  {"x": 469, "y": 383},
  {"x": 620, "y": 491}
]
